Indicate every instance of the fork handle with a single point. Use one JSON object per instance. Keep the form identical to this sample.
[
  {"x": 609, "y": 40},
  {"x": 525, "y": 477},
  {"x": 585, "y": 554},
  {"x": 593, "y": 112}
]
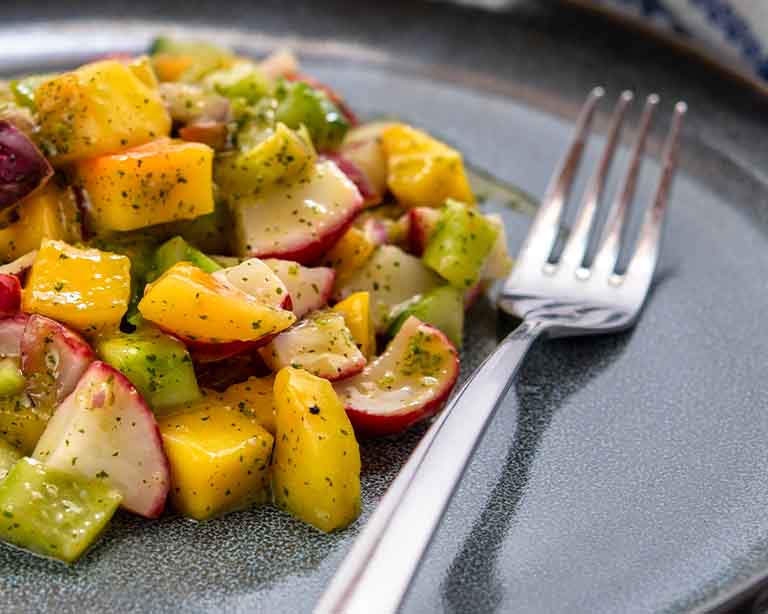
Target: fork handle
[{"x": 378, "y": 570}]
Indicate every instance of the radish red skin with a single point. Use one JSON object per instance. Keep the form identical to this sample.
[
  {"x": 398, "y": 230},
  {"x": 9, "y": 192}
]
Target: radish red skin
[
  {"x": 369, "y": 424},
  {"x": 11, "y": 332},
  {"x": 10, "y": 295}
]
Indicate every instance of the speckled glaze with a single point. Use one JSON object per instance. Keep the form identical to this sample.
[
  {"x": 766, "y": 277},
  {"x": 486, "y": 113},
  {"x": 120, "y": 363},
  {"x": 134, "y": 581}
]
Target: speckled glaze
[{"x": 624, "y": 474}]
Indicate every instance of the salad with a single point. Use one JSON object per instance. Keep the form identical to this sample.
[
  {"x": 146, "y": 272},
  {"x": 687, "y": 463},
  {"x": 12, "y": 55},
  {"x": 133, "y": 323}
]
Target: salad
[{"x": 215, "y": 281}]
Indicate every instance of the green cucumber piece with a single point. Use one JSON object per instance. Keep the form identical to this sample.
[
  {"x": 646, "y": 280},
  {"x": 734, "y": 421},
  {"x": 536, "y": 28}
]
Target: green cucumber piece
[
  {"x": 53, "y": 513},
  {"x": 157, "y": 364},
  {"x": 442, "y": 307},
  {"x": 243, "y": 80},
  {"x": 8, "y": 457},
  {"x": 460, "y": 245},
  {"x": 176, "y": 250},
  {"x": 299, "y": 103},
  {"x": 12, "y": 380}
]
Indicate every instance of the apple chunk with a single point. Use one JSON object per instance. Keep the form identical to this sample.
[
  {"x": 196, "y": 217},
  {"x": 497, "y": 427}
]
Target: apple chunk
[
  {"x": 104, "y": 430},
  {"x": 298, "y": 221},
  {"x": 408, "y": 383}
]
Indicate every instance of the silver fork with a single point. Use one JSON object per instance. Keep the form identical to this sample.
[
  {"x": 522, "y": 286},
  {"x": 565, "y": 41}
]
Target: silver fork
[{"x": 564, "y": 298}]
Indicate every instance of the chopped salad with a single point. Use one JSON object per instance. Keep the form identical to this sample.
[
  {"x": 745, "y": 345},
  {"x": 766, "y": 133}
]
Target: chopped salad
[{"x": 216, "y": 279}]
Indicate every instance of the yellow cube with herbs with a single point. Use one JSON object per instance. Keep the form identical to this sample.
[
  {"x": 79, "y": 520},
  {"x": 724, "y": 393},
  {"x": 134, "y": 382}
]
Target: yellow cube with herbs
[
  {"x": 99, "y": 108},
  {"x": 255, "y": 396},
  {"x": 86, "y": 288},
  {"x": 48, "y": 213},
  {"x": 219, "y": 457},
  {"x": 162, "y": 181},
  {"x": 422, "y": 171}
]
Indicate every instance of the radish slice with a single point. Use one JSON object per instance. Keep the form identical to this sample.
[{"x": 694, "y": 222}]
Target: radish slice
[
  {"x": 10, "y": 295},
  {"x": 310, "y": 288},
  {"x": 105, "y": 430},
  {"x": 256, "y": 278},
  {"x": 408, "y": 383},
  {"x": 11, "y": 332}
]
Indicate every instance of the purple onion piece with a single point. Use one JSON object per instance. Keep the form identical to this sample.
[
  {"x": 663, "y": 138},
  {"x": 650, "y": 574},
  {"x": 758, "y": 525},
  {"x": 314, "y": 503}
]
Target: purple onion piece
[{"x": 22, "y": 167}]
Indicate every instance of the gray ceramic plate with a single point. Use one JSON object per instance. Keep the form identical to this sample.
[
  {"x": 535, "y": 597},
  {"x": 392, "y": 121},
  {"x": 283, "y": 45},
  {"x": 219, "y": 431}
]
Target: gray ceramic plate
[{"x": 625, "y": 474}]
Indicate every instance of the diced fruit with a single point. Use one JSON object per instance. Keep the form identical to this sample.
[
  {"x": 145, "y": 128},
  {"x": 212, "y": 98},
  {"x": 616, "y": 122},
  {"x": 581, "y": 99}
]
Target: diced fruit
[
  {"x": 99, "y": 108},
  {"x": 350, "y": 253},
  {"x": 256, "y": 397},
  {"x": 302, "y": 219},
  {"x": 22, "y": 422},
  {"x": 363, "y": 147},
  {"x": 105, "y": 431},
  {"x": 280, "y": 63},
  {"x": 178, "y": 250},
  {"x": 191, "y": 104},
  {"x": 22, "y": 167},
  {"x": 12, "y": 380},
  {"x": 422, "y": 171},
  {"x": 499, "y": 263},
  {"x": 141, "y": 66},
  {"x": 52, "y": 360},
  {"x": 321, "y": 344},
  {"x": 391, "y": 277},
  {"x": 256, "y": 278},
  {"x": 309, "y": 287},
  {"x": 187, "y": 59},
  {"x": 356, "y": 309},
  {"x": 24, "y": 89},
  {"x": 370, "y": 196},
  {"x": 85, "y": 288},
  {"x": 241, "y": 80},
  {"x": 195, "y": 306},
  {"x": 11, "y": 331},
  {"x": 20, "y": 266},
  {"x": 330, "y": 93},
  {"x": 219, "y": 457},
  {"x": 280, "y": 158},
  {"x": 10, "y": 295},
  {"x": 300, "y": 104},
  {"x": 49, "y": 213},
  {"x": 442, "y": 307},
  {"x": 157, "y": 364},
  {"x": 162, "y": 181},
  {"x": 408, "y": 383},
  {"x": 460, "y": 245},
  {"x": 316, "y": 464},
  {"x": 8, "y": 457},
  {"x": 53, "y": 513},
  {"x": 422, "y": 223}
]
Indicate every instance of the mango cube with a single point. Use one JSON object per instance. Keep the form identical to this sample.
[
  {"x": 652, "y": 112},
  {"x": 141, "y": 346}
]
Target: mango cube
[
  {"x": 356, "y": 309},
  {"x": 195, "y": 306},
  {"x": 88, "y": 289},
  {"x": 349, "y": 253},
  {"x": 48, "y": 213},
  {"x": 219, "y": 457},
  {"x": 99, "y": 108},
  {"x": 255, "y": 396},
  {"x": 159, "y": 182},
  {"x": 422, "y": 171}
]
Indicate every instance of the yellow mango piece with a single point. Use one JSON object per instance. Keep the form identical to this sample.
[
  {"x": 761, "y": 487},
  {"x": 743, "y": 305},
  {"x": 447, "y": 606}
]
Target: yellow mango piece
[
  {"x": 316, "y": 463},
  {"x": 349, "y": 253},
  {"x": 99, "y": 108},
  {"x": 196, "y": 306},
  {"x": 170, "y": 66},
  {"x": 49, "y": 213},
  {"x": 219, "y": 458},
  {"x": 278, "y": 158},
  {"x": 422, "y": 171},
  {"x": 255, "y": 396},
  {"x": 88, "y": 289},
  {"x": 356, "y": 309},
  {"x": 162, "y": 181}
]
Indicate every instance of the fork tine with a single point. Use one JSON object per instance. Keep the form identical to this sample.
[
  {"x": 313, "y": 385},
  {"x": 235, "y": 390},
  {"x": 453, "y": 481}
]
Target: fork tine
[
  {"x": 545, "y": 227},
  {"x": 576, "y": 246},
  {"x": 646, "y": 255},
  {"x": 608, "y": 250}
]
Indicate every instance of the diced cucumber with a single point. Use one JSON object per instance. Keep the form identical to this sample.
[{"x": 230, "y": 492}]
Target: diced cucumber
[
  {"x": 243, "y": 80},
  {"x": 460, "y": 245},
  {"x": 11, "y": 379},
  {"x": 157, "y": 364},
  {"x": 176, "y": 250},
  {"x": 8, "y": 457},
  {"x": 53, "y": 513},
  {"x": 442, "y": 307},
  {"x": 299, "y": 103}
]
